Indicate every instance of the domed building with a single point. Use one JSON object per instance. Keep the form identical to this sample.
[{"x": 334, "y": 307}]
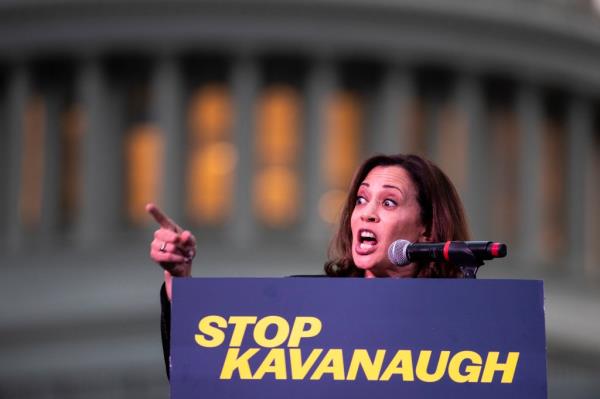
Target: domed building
[{"x": 244, "y": 120}]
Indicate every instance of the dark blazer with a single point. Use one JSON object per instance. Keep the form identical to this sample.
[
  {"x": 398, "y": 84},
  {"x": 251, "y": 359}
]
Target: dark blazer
[{"x": 165, "y": 327}]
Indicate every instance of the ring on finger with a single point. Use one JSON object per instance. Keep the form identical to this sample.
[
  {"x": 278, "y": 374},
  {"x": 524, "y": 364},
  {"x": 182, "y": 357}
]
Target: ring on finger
[{"x": 163, "y": 247}]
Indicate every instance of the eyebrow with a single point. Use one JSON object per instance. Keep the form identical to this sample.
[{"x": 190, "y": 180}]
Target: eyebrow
[
  {"x": 390, "y": 186},
  {"x": 384, "y": 186}
]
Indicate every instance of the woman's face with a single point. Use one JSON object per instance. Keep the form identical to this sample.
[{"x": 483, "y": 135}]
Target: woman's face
[{"x": 386, "y": 210}]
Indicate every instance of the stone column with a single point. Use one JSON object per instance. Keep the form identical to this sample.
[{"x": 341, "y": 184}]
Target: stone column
[
  {"x": 168, "y": 96},
  {"x": 579, "y": 145},
  {"x": 591, "y": 211},
  {"x": 390, "y": 133},
  {"x": 530, "y": 113},
  {"x": 18, "y": 91},
  {"x": 101, "y": 206},
  {"x": 470, "y": 103},
  {"x": 245, "y": 85},
  {"x": 320, "y": 85},
  {"x": 5, "y": 172}
]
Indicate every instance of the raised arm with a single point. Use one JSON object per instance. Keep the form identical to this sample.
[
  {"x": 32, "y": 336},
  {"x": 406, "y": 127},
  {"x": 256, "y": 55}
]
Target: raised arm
[{"x": 173, "y": 248}]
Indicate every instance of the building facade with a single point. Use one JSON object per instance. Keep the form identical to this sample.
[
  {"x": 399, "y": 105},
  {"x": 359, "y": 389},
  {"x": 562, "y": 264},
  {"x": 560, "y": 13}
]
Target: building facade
[{"x": 245, "y": 120}]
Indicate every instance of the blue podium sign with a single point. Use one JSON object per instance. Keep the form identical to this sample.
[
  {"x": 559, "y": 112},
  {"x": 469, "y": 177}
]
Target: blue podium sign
[{"x": 357, "y": 338}]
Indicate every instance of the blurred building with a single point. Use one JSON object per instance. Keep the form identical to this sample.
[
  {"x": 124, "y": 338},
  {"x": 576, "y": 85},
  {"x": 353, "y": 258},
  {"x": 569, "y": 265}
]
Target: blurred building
[{"x": 245, "y": 120}]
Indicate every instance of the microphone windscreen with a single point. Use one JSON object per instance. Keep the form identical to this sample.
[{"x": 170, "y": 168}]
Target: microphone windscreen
[{"x": 397, "y": 253}]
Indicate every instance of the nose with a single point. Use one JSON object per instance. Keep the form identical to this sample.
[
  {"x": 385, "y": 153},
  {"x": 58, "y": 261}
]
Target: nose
[{"x": 369, "y": 214}]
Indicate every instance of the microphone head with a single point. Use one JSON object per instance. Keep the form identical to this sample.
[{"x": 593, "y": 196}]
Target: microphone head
[{"x": 397, "y": 252}]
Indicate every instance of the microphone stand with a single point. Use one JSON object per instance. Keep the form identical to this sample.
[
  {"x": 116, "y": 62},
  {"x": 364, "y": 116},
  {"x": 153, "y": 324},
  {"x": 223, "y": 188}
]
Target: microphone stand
[{"x": 464, "y": 258}]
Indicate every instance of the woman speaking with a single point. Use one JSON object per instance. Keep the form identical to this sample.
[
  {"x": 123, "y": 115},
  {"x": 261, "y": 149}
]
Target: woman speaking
[{"x": 391, "y": 197}]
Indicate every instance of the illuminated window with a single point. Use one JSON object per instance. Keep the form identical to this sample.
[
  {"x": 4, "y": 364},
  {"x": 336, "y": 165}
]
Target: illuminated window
[
  {"x": 342, "y": 151},
  {"x": 212, "y": 156},
  {"x": 553, "y": 189},
  {"x": 276, "y": 185},
  {"x": 453, "y": 144},
  {"x": 70, "y": 182},
  {"x": 142, "y": 142},
  {"x": 416, "y": 132},
  {"x": 32, "y": 166},
  {"x": 143, "y": 148},
  {"x": 504, "y": 197}
]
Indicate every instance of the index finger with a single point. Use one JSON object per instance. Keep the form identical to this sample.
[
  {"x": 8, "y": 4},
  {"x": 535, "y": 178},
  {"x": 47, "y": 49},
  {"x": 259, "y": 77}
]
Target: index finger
[{"x": 162, "y": 219}]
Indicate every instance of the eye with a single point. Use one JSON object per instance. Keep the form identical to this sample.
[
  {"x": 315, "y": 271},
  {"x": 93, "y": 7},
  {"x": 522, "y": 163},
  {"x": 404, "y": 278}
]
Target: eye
[
  {"x": 361, "y": 200},
  {"x": 388, "y": 203}
]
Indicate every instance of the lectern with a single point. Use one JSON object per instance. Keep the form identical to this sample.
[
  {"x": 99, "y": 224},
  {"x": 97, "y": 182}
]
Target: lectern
[{"x": 357, "y": 338}]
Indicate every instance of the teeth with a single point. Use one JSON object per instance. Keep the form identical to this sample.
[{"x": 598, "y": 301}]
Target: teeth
[{"x": 367, "y": 234}]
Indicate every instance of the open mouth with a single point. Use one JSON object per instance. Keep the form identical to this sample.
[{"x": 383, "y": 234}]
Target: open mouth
[{"x": 366, "y": 239}]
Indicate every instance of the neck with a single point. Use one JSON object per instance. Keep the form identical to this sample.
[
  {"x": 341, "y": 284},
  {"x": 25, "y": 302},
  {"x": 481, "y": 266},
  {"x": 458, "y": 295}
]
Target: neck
[{"x": 407, "y": 271}]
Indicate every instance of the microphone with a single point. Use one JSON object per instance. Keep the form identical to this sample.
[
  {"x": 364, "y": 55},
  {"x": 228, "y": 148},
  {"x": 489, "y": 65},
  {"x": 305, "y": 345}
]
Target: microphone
[{"x": 403, "y": 252}]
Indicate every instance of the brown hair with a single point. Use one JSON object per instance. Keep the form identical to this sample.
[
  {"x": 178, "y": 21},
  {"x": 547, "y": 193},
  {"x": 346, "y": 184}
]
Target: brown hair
[{"x": 442, "y": 214}]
